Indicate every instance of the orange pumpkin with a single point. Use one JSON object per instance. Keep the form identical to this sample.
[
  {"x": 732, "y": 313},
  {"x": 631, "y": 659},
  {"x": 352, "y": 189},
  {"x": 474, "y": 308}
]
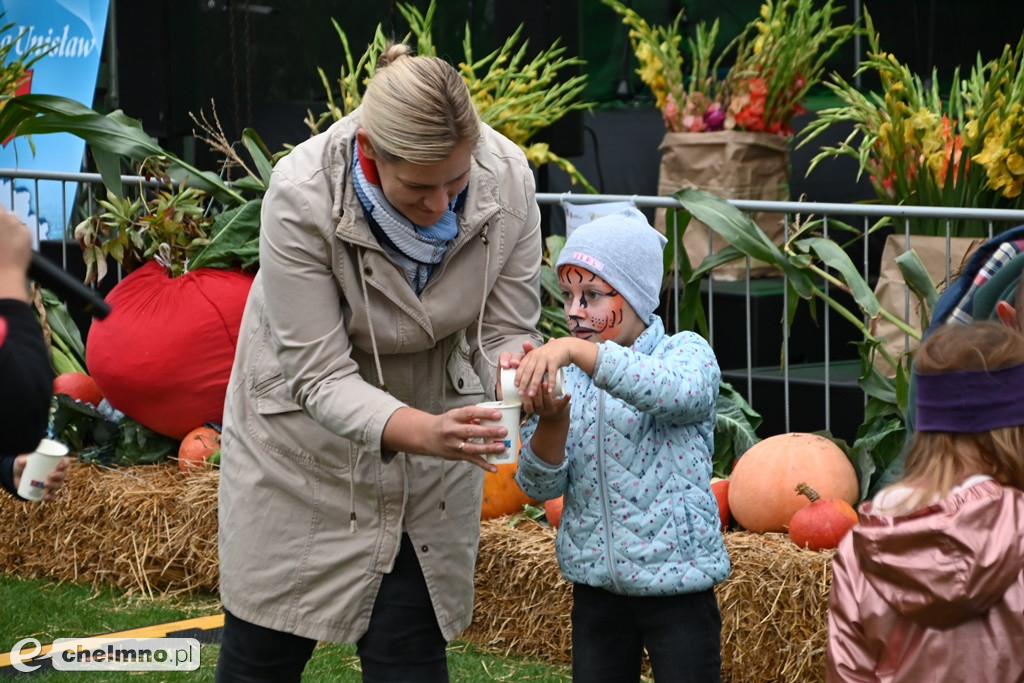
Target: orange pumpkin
[
  {"x": 502, "y": 495},
  {"x": 195, "y": 449},
  {"x": 553, "y": 510},
  {"x": 821, "y": 524},
  {"x": 762, "y": 482}
]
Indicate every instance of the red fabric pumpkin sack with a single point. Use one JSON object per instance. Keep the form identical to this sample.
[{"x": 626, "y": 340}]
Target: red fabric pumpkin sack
[{"x": 163, "y": 356}]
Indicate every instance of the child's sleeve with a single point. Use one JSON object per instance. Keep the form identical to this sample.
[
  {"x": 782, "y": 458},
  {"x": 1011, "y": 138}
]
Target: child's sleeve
[
  {"x": 536, "y": 478},
  {"x": 679, "y": 383},
  {"x": 849, "y": 654}
]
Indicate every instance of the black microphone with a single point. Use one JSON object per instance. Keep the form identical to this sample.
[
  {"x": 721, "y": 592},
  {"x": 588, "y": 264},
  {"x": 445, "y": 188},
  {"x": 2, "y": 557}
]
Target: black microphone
[{"x": 51, "y": 276}]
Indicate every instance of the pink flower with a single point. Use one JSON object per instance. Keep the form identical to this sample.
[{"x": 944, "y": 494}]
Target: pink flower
[
  {"x": 671, "y": 112},
  {"x": 693, "y": 124}
]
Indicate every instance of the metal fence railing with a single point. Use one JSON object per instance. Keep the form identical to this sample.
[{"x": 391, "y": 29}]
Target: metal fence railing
[{"x": 809, "y": 384}]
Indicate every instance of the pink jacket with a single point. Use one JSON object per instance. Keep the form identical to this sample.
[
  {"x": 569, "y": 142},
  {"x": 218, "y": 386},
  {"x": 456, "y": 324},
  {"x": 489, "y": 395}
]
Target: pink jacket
[{"x": 936, "y": 595}]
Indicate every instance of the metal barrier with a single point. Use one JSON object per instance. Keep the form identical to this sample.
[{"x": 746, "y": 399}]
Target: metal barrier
[{"x": 89, "y": 186}]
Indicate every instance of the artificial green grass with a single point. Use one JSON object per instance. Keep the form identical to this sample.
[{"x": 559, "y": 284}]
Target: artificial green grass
[{"x": 45, "y": 611}]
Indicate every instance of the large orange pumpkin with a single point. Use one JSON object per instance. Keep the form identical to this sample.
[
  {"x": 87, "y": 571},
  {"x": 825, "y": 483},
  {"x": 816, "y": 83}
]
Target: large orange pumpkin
[
  {"x": 502, "y": 495},
  {"x": 762, "y": 486}
]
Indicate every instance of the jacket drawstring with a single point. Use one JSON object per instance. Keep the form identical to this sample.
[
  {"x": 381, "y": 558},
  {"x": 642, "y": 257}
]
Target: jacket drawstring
[
  {"x": 369, "y": 320},
  {"x": 353, "y": 526},
  {"x": 444, "y": 490},
  {"x": 353, "y": 458},
  {"x": 483, "y": 354},
  {"x": 483, "y": 299}
]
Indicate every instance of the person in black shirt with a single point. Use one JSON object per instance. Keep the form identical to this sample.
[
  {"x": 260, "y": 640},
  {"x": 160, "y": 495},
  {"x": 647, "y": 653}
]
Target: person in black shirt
[{"x": 26, "y": 379}]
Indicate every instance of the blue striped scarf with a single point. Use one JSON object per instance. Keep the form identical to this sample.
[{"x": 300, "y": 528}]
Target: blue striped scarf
[{"x": 416, "y": 248}]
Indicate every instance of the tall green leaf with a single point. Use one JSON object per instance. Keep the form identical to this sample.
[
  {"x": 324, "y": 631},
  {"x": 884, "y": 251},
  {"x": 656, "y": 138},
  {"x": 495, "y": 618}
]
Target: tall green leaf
[
  {"x": 234, "y": 240},
  {"x": 113, "y": 134}
]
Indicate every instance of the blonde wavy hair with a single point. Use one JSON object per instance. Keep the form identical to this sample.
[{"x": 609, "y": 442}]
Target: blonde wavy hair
[
  {"x": 417, "y": 108},
  {"x": 938, "y": 461}
]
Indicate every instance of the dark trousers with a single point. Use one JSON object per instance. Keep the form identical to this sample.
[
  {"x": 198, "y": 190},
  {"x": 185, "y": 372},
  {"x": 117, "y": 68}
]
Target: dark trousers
[
  {"x": 681, "y": 633},
  {"x": 402, "y": 645}
]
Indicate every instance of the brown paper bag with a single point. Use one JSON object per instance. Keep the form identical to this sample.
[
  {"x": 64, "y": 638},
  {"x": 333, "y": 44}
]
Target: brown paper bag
[
  {"x": 891, "y": 289},
  {"x": 734, "y": 165}
]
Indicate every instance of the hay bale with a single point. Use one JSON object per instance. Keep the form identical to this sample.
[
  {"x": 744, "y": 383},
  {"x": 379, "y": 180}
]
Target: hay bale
[
  {"x": 522, "y": 603},
  {"x": 774, "y": 609},
  {"x": 774, "y": 603},
  {"x": 145, "y": 529},
  {"x": 149, "y": 529}
]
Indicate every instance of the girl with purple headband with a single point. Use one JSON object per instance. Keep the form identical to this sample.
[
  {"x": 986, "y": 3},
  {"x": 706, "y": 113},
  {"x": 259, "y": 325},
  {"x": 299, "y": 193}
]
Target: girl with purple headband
[{"x": 929, "y": 586}]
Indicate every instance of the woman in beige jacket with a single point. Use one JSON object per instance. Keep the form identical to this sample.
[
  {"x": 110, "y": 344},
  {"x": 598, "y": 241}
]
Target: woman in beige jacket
[{"x": 399, "y": 267}]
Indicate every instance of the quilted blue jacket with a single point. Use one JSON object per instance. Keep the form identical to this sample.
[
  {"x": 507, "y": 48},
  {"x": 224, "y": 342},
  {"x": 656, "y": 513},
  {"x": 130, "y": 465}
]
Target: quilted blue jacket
[{"x": 639, "y": 517}]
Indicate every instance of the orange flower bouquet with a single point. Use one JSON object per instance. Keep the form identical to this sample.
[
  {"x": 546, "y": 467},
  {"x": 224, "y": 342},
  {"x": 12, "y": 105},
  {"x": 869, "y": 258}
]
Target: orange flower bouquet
[{"x": 920, "y": 146}]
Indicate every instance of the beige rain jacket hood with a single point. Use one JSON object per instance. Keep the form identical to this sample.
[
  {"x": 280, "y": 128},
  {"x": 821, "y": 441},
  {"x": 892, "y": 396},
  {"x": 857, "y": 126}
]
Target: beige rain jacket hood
[
  {"x": 311, "y": 511},
  {"x": 936, "y": 595}
]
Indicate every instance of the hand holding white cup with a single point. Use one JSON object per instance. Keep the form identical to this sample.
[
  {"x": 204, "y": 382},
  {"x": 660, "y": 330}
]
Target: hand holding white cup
[
  {"x": 40, "y": 464},
  {"x": 510, "y": 413},
  {"x": 510, "y": 392}
]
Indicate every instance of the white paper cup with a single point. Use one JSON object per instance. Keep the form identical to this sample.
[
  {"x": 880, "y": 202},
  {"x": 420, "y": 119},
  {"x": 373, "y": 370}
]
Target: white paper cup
[
  {"x": 510, "y": 420},
  {"x": 40, "y": 463},
  {"x": 509, "y": 392}
]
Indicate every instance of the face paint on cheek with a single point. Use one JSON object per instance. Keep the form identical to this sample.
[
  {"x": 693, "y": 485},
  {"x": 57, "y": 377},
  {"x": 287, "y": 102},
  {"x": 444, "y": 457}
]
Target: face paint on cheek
[{"x": 614, "y": 318}]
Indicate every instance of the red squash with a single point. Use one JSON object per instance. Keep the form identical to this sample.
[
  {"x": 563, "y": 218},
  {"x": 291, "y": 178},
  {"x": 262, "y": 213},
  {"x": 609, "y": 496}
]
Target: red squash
[
  {"x": 163, "y": 356},
  {"x": 821, "y": 524},
  {"x": 720, "y": 487}
]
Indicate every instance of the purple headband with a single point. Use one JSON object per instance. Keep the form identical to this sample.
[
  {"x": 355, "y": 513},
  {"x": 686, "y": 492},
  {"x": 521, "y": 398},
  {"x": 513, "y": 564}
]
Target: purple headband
[{"x": 970, "y": 401}]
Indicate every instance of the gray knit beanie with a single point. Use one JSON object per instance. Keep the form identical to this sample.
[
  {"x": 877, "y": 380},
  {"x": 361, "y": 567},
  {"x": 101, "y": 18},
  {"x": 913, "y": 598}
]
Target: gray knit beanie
[{"x": 623, "y": 250}]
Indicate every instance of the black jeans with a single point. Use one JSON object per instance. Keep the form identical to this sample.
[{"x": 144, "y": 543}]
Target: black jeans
[
  {"x": 681, "y": 633},
  {"x": 402, "y": 645}
]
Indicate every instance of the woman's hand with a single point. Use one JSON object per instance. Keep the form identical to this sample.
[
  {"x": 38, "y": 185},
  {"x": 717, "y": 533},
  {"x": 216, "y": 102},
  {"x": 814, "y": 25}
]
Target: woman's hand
[
  {"x": 53, "y": 481},
  {"x": 15, "y": 256},
  {"x": 448, "y": 436},
  {"x": 464, "y": 438}
]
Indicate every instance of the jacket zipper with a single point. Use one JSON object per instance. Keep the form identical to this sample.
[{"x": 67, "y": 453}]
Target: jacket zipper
[{"x": 605, "y": 510}]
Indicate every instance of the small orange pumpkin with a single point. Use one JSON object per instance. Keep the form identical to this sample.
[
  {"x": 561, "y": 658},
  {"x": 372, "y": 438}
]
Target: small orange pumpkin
[
  {"x": 553, "y": 511},
  {"x": 821, "y": 524},
  {"x": 197, "y": 447},
  {"x": 763, "y": 479}
]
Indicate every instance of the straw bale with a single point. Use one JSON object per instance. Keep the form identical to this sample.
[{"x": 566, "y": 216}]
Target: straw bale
[
  {"x": 146, "y": 529},
  {"x": 149, "y": 529},
  {"x": 774, "y": 609},
  {"x": 522, "y": 603}
]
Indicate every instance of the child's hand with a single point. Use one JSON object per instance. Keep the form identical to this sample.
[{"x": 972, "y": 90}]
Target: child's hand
[
  {"x": 548, "y": 406},
  {"x": 537, "y": 369}
]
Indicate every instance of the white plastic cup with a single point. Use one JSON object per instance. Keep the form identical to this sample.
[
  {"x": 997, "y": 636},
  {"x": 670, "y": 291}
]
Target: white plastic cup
[
  {"x": 510, "y": 414},
  {"x": 41, "y": 462},
  {"x": 509, "y": 392}
]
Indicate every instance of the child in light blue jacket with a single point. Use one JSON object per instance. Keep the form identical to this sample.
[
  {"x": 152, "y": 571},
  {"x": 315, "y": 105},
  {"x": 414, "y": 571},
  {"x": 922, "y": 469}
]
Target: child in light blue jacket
[{"x": 629, "y": 445}]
